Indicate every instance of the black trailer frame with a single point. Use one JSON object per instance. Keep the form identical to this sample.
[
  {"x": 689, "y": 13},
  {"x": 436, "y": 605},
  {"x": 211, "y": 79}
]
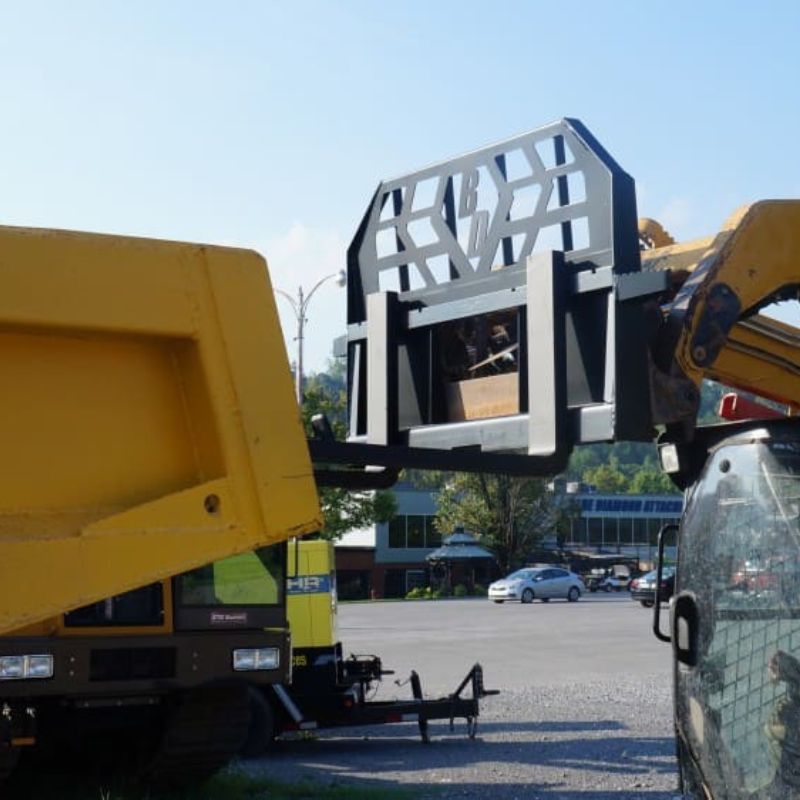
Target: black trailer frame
[{"x": 355, "y": 711}]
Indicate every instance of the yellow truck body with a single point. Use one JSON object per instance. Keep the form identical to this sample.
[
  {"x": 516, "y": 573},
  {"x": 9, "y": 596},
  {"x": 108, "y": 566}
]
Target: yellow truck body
[
  {"x": 147, "y": 418},
  {"x": 311, "y": 595}
]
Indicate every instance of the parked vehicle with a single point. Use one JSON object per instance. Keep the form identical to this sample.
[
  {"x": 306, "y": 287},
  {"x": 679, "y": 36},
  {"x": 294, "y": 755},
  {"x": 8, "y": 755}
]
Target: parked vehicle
[
  {"x": 644, "y": 589},
  {"x": 614, "y": 578},
  {"x": 537, "y": 583},
  {"x": 756, "y": 577}
]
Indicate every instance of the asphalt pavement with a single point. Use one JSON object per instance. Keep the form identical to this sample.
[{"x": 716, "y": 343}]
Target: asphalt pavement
[
  {"x": 584, "y": 711},
  {"x": 519, "y": 646}
]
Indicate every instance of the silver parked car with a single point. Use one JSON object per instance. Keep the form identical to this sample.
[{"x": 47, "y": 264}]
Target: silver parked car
[{"x": 537, "y": 583}]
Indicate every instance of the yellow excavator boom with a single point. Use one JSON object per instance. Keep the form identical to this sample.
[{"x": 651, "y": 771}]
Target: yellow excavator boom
[
  {"x": 147, "y": 419},
  {"x": 713, "y": 319}
]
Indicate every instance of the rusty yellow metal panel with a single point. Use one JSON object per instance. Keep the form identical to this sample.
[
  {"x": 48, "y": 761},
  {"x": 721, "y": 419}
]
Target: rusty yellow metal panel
[{"x": 147, "y": 419}]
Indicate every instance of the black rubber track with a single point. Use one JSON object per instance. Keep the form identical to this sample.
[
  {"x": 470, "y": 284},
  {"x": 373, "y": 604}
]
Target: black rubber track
[{"x": 202, "y": 734}]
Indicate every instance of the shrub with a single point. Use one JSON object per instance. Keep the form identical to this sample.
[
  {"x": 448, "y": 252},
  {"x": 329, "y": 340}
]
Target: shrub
[
  {"x": 459, "y": 590},
  {"x": 416, "y": 593},
  {"x": 479, "y": 591}
]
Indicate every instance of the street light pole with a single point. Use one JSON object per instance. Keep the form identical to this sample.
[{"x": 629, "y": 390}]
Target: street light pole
[{"x": 299, "y": 307}]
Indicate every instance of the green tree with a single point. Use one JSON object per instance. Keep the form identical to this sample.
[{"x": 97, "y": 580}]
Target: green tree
[
  {"x": 509, "y": 515},
  {"x": 585, "y": 458},
  {"x": 342, "y": 510},
  {"x": 624, "y": 467},
  {"x": 650, "y": 479},
  {"x": 607, "y": 478}
]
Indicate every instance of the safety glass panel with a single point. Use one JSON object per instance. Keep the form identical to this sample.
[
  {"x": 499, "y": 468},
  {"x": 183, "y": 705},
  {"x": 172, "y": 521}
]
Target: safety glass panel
[
  {"x": 740, "y": 555},
  {"x": 247, "y": 579}
]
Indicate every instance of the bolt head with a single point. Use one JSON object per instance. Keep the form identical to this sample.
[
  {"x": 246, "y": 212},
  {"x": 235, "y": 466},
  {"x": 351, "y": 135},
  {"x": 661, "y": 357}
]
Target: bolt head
[{"x": 699, "y": 353}]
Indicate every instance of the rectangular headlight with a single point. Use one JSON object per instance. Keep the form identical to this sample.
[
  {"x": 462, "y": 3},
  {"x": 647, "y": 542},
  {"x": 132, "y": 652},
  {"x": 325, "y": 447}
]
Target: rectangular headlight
[
  {"x": 670, "y": 460},
  {"x": 12, "y": 667},
  {"x": 40, "y": 666},
  {"x": 250, "y": 659},
  {"x": 15, "y": 668}
]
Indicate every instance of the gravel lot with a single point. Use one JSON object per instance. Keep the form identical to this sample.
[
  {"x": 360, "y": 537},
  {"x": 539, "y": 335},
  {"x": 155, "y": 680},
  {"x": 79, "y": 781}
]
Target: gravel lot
[{"x": 584, "y": 709}]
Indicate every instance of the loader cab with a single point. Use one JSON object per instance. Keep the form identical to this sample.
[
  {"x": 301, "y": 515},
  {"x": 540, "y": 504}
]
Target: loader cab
[
  {"x": 241, "y": 591},
  {"x": 736, "y": 614}
]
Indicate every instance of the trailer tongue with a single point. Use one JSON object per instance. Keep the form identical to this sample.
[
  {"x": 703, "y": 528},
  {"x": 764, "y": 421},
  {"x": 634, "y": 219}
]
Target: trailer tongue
[
  {"x": 349, "y": 708},
  {"x": 331, "y": 691}
]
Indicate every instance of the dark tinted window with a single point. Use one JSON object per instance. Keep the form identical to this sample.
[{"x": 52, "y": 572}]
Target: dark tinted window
[
  {"x": 397, "y": 532},
  {"x": 143, "y": 606},
  {"x": 415, "y": 531},
  {"x": 432, "y": 536}
]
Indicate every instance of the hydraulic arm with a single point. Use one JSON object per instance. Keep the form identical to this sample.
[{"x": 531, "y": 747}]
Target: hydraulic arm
[{"x": 712, "y": 328}]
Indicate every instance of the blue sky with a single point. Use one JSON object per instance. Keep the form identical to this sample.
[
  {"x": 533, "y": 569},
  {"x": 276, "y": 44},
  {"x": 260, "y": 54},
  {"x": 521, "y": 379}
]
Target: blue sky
[{"x": 268, "y": 125}]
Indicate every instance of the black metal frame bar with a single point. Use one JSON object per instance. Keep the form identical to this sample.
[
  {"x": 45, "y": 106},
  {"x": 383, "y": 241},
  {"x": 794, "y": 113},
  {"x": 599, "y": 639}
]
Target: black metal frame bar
[{"x": 419, "y": 709}]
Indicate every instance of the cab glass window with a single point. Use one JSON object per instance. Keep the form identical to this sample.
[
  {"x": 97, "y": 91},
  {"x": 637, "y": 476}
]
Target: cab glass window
[
  {"x": 740, "y": 556},
  {"x": 140, "y": 607},
  {"x": 247, "y": 579}
]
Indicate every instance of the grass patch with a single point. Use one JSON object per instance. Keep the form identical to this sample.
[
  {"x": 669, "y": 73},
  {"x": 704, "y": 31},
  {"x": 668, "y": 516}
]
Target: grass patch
[{"x": 225, "y": 786}]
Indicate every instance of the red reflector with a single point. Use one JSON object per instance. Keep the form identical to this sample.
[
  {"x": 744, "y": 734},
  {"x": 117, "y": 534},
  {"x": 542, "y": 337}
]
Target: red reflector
[
  {"x": 394, "y": 718},
  {"x": 734, "y": 407},
  {"x": 348, "y": 703}
]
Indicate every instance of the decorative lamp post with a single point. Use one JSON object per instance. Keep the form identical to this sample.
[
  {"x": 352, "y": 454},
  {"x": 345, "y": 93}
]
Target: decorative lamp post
[{"x": 299, "y": 306}]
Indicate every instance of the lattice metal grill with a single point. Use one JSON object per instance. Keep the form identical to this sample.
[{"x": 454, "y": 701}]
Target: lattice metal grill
[
  {"x": 756, "y": 616},
  {"x": 554, "y": 188},
  {"x": 749, "y": 697}
]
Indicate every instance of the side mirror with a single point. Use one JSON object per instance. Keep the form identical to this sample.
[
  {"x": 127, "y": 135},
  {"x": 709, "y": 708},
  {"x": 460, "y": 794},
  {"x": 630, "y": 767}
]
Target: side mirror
[{"x": 668, "y": 532}]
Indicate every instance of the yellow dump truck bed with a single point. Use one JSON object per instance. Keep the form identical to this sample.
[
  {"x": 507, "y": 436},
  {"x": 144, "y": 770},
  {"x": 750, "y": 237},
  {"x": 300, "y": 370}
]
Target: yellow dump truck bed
[{"x": 147, "y": 419}]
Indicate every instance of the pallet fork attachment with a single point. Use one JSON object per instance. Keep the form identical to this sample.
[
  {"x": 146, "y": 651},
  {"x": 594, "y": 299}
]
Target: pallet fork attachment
[{"x": 493, "y": 301}]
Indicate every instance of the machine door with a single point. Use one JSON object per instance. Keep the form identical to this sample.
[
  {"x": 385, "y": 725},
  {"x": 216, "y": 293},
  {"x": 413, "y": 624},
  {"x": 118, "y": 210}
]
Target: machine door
[
  {"x": 736, "y": 624},
  {"x": 556, "y": 582},
  {"x": 547, "y": 583}
]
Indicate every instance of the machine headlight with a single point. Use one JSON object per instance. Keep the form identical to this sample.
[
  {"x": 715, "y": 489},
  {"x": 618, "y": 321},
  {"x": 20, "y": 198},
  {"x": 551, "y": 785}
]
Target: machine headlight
[
  {"x": 670, "y": 460},
  {"x": 15, "y": 668},
  {"x": 249, "y": 659}
]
